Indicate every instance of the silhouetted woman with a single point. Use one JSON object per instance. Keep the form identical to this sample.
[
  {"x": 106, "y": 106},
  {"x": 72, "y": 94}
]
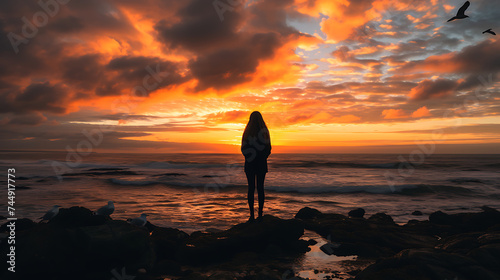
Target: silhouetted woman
[{"x": 256, "y": 147}]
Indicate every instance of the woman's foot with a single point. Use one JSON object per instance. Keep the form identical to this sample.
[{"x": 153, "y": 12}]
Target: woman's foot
[{"x": 251, "y": 219}]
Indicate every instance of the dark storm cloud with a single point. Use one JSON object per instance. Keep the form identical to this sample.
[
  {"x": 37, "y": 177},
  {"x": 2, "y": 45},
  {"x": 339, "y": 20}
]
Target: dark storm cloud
[
  {"x": 200, "y": 29},
  {"x": 272, "y": 15},
  {"x": 429, "y": 89},
  {"x": 69, "y": 24},
  {"x": 226, "y": 54},
  {"x": 135, "y": 68},
  {"x": 48, "y": 73},
  {"x": 43, "y": 97},
  {"x": 28, "y": 119},
  {"x": 472, "y": 81},
  {"x": 83, "y": 71},
  {"x": 478, "y": 64},
  {"x": 229, "y": 67},
  {"x": 483, "y": 57}
]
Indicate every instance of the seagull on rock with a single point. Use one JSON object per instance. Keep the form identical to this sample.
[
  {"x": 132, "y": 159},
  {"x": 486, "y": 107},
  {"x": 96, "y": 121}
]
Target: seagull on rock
[
  {"x": 489, "y": 31},
  {"x": 140, "y": 222},
  {"x": 461, "y": 12},
  {"x": 106, "y": 210},
  {"x": 51, "y": 213}
]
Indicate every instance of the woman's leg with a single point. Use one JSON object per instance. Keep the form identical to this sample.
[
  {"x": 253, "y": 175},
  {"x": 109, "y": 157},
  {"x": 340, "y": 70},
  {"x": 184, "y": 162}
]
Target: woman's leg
[
  {"x": 260, "y": 190},
  {"x": 251, "y": 189}
]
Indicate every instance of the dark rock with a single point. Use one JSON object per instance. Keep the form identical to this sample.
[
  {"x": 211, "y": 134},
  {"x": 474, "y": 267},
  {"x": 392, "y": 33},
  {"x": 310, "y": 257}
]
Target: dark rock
[
  {"x": 194, "y": 276},
  {"x": 417, "y": 213},
  {"x": 459, "y": 243},
  {"x": 273, "y": 251},
  {"x": 312, "y": 242},
  {"x": 307, "y": 213},
  {"x": 74, "y": 246},
  {"x": 381, "y": 218},
  {"x": 118, "y": 243},
  {"x": 371, "y": 238},
  {"x": 354, "y": 272},
  {"x": 441, "y": 218},
  {"x": 267, "y": 274},
  {"x": 489, "y": 238},
  {"x": 168, "y": 267},
  {"x": 222, "y": 275},
  {"x": 426, "y": 264},
  {"x": 488, "y": 256},
  {"x": 466, "y": 222},
  {"x": 77, "y": 217},
  {"x": 167, "y": 241},
  {"x": 357, "y": 213},
  {"x": 361, "y": 249},
  {"x": 203, "y": 247},
  {"x": 328, "y": 248}
]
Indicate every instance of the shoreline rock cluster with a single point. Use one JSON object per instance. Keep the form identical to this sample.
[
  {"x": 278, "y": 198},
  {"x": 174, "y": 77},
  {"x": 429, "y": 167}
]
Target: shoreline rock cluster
[
  {"x": 457, "y": 246},
  {"x": 76, "y": 244}
]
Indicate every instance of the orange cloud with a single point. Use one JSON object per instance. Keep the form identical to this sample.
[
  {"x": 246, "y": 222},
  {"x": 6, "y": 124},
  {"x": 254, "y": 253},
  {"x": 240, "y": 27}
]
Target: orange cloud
[
  {"x": 394, "y": 114},
  {"x": 307, "y": 103},
  {"x": 235, "y": 116},
  {"x": 421, "y": 112},
  {"x": 448, "y": 8}
]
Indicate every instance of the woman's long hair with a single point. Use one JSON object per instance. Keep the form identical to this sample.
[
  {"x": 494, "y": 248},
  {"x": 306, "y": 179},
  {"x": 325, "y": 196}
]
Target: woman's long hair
[{"x": 256, "y": 128}]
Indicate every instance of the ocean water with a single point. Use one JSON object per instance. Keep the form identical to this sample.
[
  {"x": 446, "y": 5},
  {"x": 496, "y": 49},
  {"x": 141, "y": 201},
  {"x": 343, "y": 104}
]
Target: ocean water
[{"x": 199, "y": 191}]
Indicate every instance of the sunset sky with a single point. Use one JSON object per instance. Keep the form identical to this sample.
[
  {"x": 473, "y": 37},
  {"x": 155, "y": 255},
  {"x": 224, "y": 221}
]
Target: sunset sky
[{"x": 369, "y": 76}]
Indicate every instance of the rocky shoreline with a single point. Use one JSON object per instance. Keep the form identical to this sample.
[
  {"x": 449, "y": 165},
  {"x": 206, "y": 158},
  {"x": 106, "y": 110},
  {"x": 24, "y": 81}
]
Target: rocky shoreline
[{"x": 79, "y": 245}]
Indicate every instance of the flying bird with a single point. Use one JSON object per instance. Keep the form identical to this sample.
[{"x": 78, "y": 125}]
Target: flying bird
[
  {"x": 489, "y": 31},
  {"x": 51, "y": 213},
  {"x": 140, "y": 222},
  {"x": 106, "y": 210},
  {"x": 461, "y": 12}
]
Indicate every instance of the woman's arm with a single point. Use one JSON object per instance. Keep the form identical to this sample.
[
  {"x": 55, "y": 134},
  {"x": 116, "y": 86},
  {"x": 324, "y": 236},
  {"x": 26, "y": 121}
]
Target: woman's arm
[{"x": 267, "y": 149}]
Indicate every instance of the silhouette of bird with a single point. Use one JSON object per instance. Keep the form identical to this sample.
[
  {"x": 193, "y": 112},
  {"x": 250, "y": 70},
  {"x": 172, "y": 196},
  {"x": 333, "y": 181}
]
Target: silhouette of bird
[
  {"x": 51, "y": 213},
  {"x": 140, "y": 222},
  {"x": 489, "y": 31},
  {"x": 106, "y": 210},
  {"x": 461, "y": 12}
]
